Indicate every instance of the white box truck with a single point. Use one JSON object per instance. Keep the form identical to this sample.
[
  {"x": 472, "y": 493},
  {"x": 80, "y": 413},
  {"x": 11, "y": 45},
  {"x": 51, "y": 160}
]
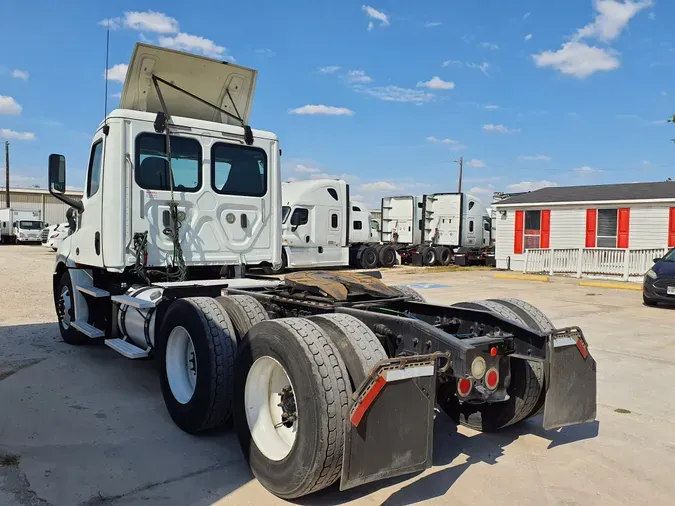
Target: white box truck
[
  {"x": 20, "y": 225},
  {"x": 433, "y": 229},
  {"x": 322, "y": 226}
]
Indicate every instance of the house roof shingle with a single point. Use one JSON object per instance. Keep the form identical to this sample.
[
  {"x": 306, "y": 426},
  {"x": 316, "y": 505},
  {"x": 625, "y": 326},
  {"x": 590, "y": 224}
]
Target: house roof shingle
[{"x": 595, "y": 193}]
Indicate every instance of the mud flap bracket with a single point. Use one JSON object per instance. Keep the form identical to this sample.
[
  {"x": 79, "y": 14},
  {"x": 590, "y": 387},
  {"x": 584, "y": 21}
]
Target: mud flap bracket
[{"x": 390, "y": 427}]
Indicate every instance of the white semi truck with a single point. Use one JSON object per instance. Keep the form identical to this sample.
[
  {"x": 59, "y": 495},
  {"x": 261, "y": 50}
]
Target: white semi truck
[
  {"x": 20, "y": 225},
  {"x": 328, "y": 375},
  {"x": 433, "y": 229},
  {"x": 322, "y": 226}
]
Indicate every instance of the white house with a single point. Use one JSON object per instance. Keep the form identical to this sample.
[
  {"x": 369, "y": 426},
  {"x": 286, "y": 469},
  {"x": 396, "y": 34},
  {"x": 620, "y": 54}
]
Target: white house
[{"x": 605, "y": 230}]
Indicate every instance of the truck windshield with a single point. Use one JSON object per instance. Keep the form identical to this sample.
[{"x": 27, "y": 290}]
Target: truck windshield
[
  {"x": 285, "y": 211},
  {"x": 30, "y": 225}
]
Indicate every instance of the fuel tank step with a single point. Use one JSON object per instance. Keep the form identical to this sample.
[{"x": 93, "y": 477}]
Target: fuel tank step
[
  {"x": 87, "y": 329},
  {"x": 126, "y": 349}
]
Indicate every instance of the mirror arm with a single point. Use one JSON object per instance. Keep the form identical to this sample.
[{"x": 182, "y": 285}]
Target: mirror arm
[{"x": 71, "y": 202}]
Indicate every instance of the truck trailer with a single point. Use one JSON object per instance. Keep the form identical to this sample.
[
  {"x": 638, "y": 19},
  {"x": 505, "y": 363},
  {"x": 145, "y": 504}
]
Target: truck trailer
[
  {"x": 327, "y": 375},
  {"x": 436, "y": 228},
  {"x": 20, "y": 225},
  {"x": 322, "y": 226}
]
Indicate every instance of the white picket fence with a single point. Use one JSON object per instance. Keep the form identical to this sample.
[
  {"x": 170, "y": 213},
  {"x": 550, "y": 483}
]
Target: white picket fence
[{"x": 605, "y": 262}]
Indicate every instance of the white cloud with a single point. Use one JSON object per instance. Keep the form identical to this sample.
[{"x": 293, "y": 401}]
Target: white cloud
[
  {"x": 544, "y": 158},
  {"x": 328, "y": 110},
  {"x": 376, "y": 15},
  {"x": 482, "y": 190},
  {"x": 482, "y": 179},
  {"x": 528, "y": 186},
  {"x": 664, "y": 93},
  {"x": 358, "y": 76},
  {"x": 574, "y": 115},
  {"x": 118, "y": 72},
  {"x": 490, "y": 107},
  {"x": 483, "y": 67},
  {"x": 303, "y": 169},
  {"x": 391, "y": 93},
  {"x": 150, "y": 21},
  {"x": 452, "y": 143},
  {"x": 371, "y": 25},
  {"x": 356, "y": 197},
  {"x": 266, "y": 52},
  {"x": 432, "y": 24},
  {"x": 329, "y": 70},
  {"x": 20, "y": 74},
  {"x": 447, "y": 63},
  {"x": 477, "y": 164},
  {"x": 578, "y": 59},
  {"x": 500, "y": 128},
  {"x": 526, "y": 15},
  {"x": 528, "y": 36},
  {"x": 489, "y": 45},
  {"x": 652, "y": 15},
  {"x": 116, "y": 95},
  {"x": 6, "y": 133},
  {"x": 192, "y": 43},
  {"x": 378, "y": 186},
  {"x": 646, "y": 163},
  {"x": 112, "y": 23},
  {"x": 612, "y": 18},
  {"x": 436, "y": 83},
  {"x": 9, "y": 106},
  {"x": 585, "y": 170}
]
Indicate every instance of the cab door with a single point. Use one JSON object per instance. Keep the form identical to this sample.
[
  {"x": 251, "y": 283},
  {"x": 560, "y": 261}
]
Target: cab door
[{"x": 87, "y": 250}]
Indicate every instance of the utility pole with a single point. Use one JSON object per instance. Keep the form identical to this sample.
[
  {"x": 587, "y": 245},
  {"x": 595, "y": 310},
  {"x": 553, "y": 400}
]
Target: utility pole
[
  {"x": 6, "y": 173},
  {"x": 461, "y": 163}
]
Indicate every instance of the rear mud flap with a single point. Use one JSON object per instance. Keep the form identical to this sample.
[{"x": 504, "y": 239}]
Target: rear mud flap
[
  {"x": 390, "y": 428},
  {"x": 571, "y": 381}
]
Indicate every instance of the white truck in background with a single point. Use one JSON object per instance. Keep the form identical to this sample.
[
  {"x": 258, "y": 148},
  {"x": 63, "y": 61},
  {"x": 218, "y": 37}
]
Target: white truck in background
[
  {"x": 323, "y": 227},
  {"x": 20, "y": 225},
  {"x": 436, "y": 228}
]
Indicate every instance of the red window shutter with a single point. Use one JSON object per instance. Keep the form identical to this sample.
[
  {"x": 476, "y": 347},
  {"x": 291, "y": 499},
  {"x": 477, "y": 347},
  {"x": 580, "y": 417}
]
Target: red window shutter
[
  {"x": 520, "y": 223},
  {"x": 545, "y": 241},
  {"x": 671, "y": 228},
  {"x": 624, "y": 227},
  {"x": 591, "y": 227}
]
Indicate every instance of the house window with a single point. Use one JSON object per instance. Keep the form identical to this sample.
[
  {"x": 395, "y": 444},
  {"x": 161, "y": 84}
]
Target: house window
[
  {"x": 607, "y": 228},
  {"x": 532, "y": 231}
]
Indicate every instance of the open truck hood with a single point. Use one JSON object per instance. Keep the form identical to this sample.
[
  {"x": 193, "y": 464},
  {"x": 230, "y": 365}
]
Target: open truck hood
[{"x": 204, "y": 77}]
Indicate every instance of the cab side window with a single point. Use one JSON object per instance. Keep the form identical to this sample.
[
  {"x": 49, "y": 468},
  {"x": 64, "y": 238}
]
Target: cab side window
[{"x": 94, "y": 172}]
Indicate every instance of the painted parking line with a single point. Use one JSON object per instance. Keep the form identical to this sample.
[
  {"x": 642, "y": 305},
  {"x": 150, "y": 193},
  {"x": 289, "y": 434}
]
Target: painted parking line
[{"x": 427, "y": 286}]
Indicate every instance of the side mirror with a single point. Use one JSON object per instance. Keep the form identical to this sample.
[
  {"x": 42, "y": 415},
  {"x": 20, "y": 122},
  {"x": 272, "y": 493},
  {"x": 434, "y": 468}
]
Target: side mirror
[
  {"x": 57, "y": 173},
  {"x": 657, "y": 260}
]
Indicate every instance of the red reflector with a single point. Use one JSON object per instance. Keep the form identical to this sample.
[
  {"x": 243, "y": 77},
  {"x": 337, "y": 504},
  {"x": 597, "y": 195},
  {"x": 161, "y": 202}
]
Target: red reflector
[
  {"x": 464, "y": 386},
  {"x": 367, "y": 400},
  {"x": 493, "y": 352},
  {"x": 492, "y": 379},
  {"x": 582, "y": 349}
]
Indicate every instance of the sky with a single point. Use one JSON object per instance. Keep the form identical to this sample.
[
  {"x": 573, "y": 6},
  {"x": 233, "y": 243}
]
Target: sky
[{"x": 386, "y": 94}]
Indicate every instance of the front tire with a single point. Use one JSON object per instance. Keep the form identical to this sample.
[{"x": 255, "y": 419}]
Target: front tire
[
  {"x": 296, "y": 449},
  {"x": 64, "y": 302},
  {"x": 196, "y": 347}
]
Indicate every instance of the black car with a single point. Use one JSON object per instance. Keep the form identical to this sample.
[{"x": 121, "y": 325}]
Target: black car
[{"x": 659, "y": 282}]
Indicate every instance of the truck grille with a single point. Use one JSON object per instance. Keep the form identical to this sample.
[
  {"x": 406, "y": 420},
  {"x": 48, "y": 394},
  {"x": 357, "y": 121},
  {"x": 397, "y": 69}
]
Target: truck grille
[{"x": 44, "y": 235}]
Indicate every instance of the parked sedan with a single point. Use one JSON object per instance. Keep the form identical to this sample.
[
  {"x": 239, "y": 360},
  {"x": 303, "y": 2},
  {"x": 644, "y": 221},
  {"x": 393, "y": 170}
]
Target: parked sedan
[
  {"x": 659, "y": 282},
  {"x": 55, "y": 235}
]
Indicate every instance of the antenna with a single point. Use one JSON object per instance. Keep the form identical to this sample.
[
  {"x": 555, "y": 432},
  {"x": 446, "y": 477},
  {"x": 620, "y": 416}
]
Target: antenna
[{"x": 107, "y": 53}]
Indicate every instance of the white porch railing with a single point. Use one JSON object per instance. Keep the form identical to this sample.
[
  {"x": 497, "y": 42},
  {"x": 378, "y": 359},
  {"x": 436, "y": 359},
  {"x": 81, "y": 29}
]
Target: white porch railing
[{"x": 623, "y": 263}]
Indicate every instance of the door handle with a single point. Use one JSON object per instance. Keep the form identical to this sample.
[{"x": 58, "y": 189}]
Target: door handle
[
  {"x": 97, "y": 243},
  {"x": 307, "y": 239},
  {"x": 244, "y": 220}
]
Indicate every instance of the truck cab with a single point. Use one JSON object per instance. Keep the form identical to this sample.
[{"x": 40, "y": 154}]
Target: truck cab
[
  {"x": 20, "y": 225},
  {"x": 176, "y": 180}
]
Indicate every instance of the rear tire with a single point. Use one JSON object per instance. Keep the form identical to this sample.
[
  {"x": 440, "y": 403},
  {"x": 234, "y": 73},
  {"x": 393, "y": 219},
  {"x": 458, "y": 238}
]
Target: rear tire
[
  {"x": 309, "y": 458},
  {"x": 527, "y": 385},
  {"x": 387, "y": 256},
  {"x": 358, "y": 345},
  {"x": 208, "y": 358},
  {"x": 64, "y": 304},
  {"x": 368, "y": 258},
  {"x": 413, "y": 294},
  {"x": 244, "y": 312},
  {"x": 443, "y": 256},
  {"x": 428, "y": 256}
]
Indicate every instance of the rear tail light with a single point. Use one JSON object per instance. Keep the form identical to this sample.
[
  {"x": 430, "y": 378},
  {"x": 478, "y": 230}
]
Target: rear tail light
[
  {"x": 464, "y": 386},
  {"x": 492, "y": 378}
]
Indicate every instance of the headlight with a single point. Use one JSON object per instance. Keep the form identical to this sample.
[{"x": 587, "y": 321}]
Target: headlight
[
  {"x": 22, "y": 235},
  {"x": 651, "y": 274}
]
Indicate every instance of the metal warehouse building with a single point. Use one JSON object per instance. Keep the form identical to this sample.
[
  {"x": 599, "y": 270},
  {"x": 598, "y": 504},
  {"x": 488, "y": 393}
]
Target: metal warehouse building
[{"x": 36, "y": 199}]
